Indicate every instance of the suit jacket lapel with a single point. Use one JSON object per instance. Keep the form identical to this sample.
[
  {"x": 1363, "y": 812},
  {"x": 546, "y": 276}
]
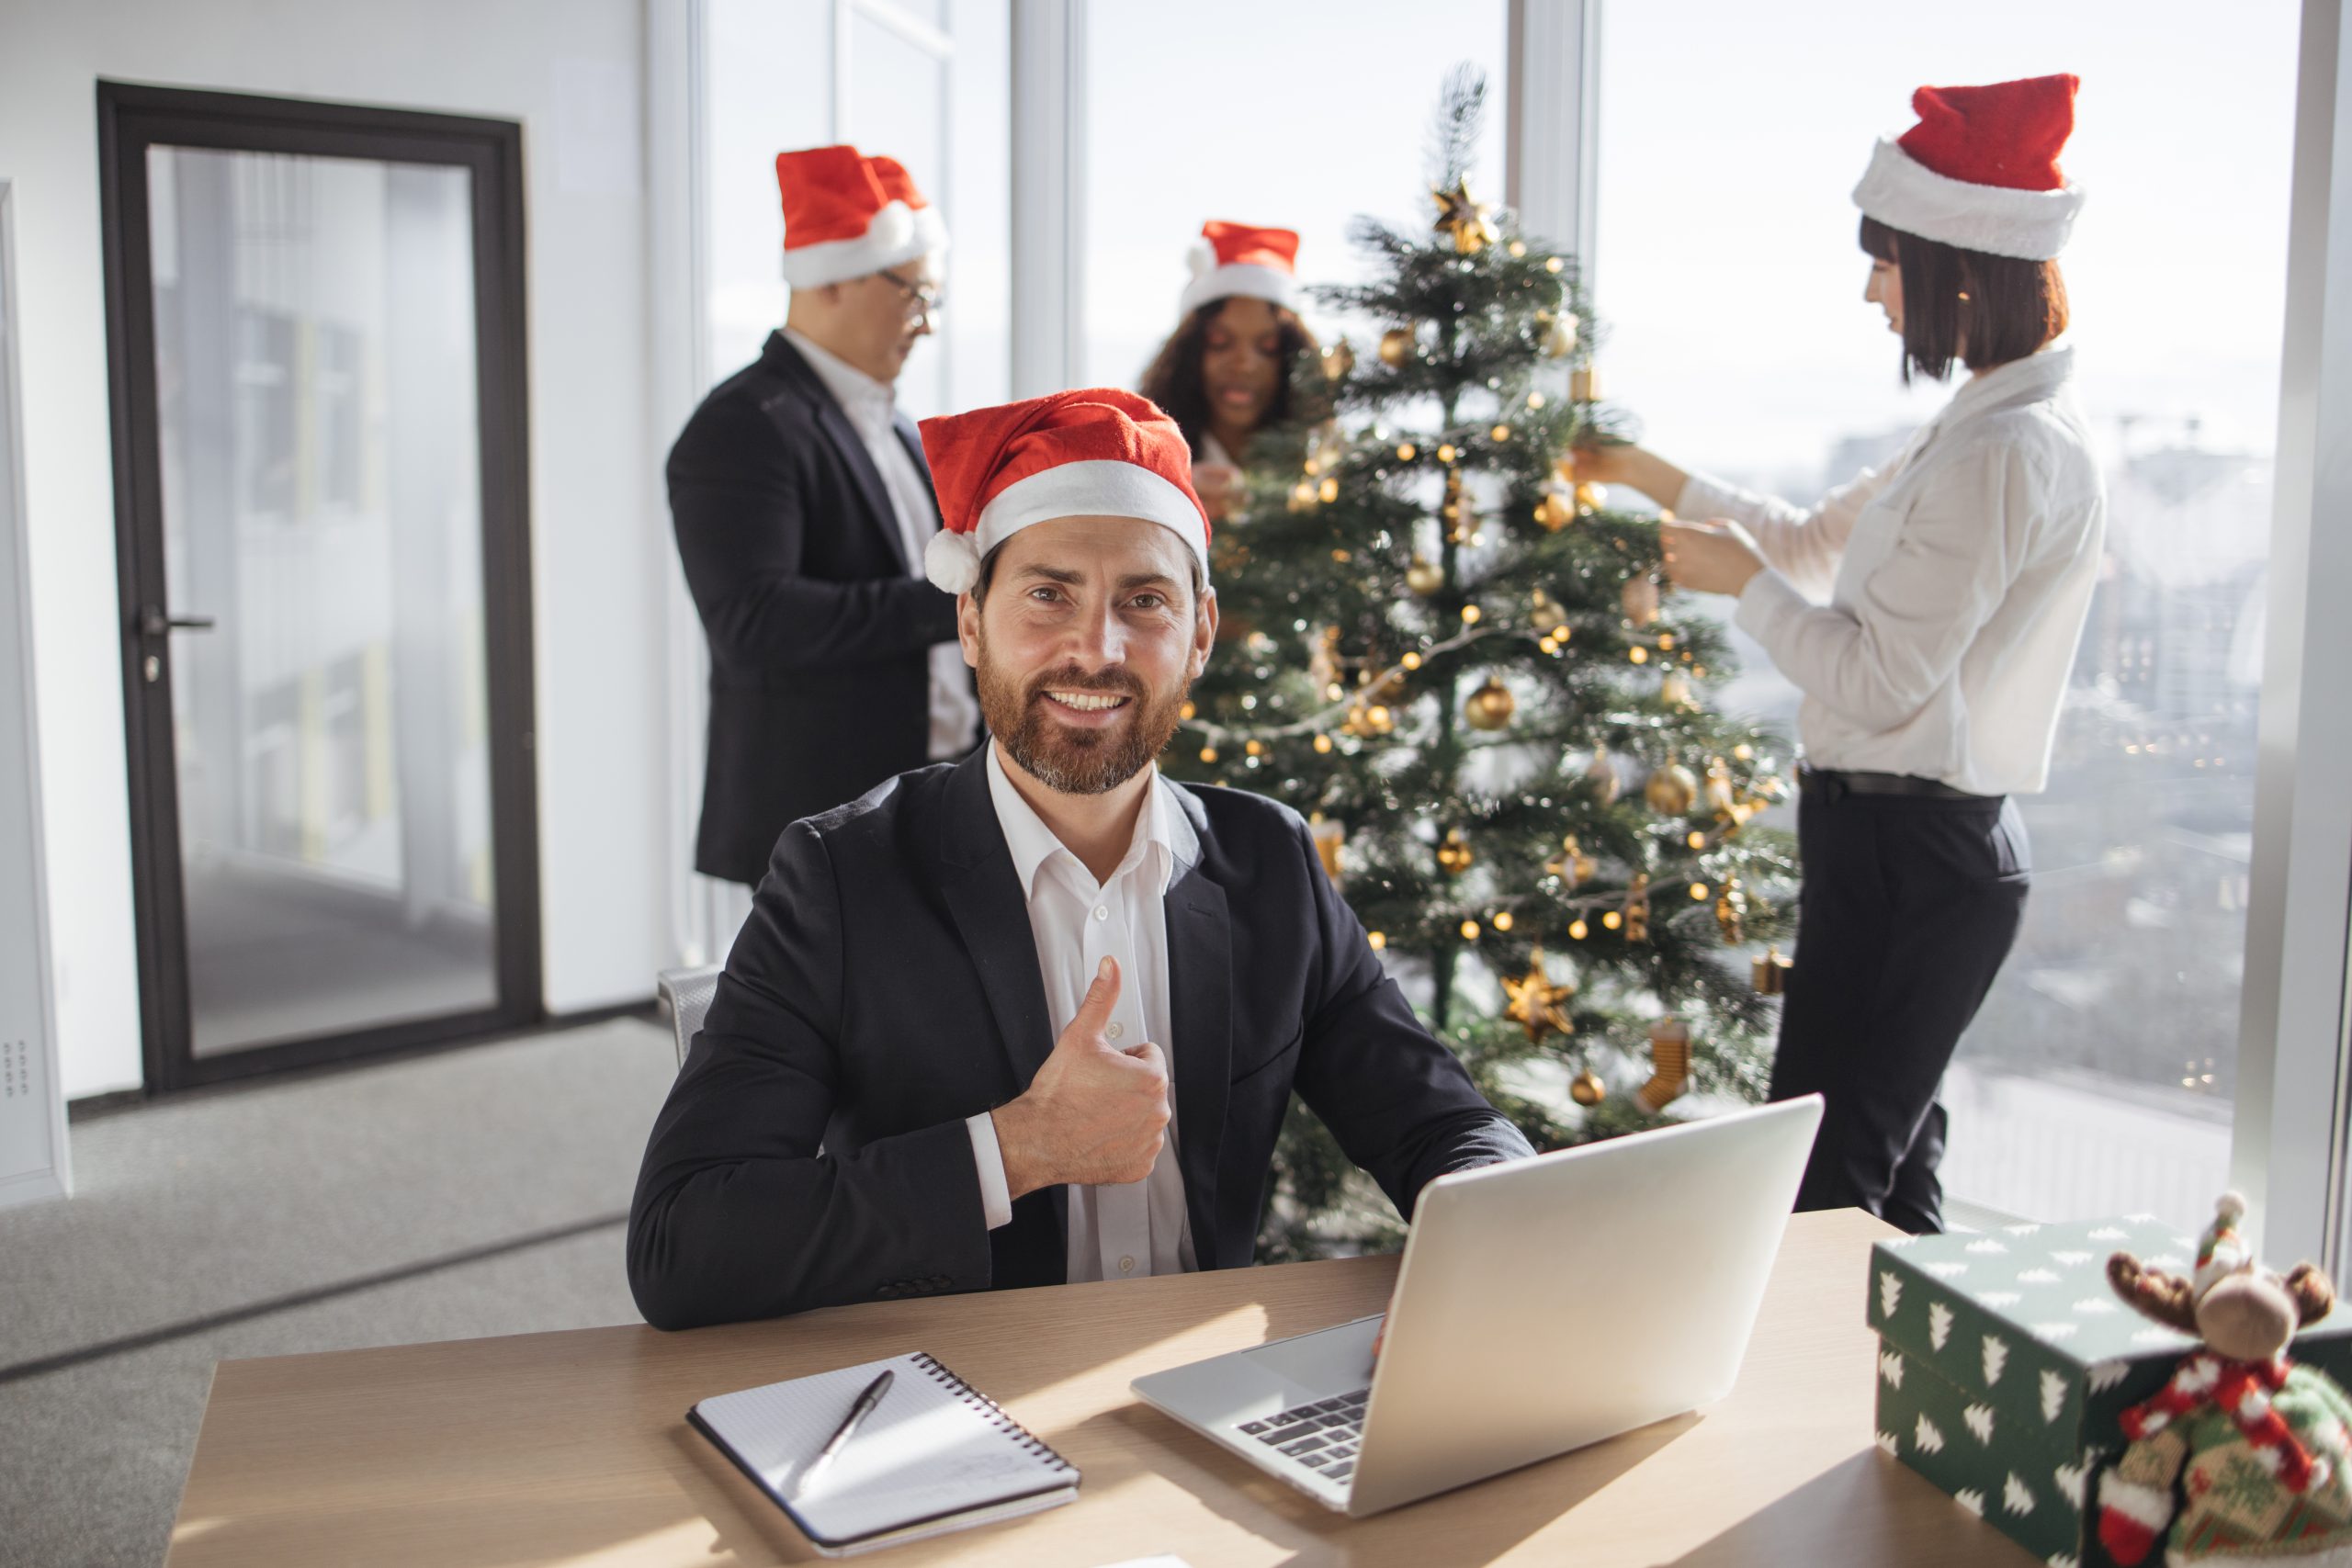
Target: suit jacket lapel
[
  {"x": 983, "y": 893},
  {"x": 843, "y": 436},
  {"x": 984, "y": 896},
  {"x": 1200, "y": 1000}
]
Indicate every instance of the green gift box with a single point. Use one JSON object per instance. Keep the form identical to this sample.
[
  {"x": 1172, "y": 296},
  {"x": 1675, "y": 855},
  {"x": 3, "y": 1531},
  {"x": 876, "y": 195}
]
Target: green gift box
[{"x": 2006, "y": 1358}]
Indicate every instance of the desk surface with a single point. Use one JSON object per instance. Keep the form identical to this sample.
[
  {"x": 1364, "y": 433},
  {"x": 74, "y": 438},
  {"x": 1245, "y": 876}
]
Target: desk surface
[{"x": 572, "y": 1448}]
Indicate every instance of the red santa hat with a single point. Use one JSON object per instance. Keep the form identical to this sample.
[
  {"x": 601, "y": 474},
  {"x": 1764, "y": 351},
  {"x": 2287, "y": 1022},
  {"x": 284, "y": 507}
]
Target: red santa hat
[
  {"x": 1980, "y": 170},
  {"x": 846, "y": 215},
  {"x": 1099, "y": 452},
  {"x": 1235, "y": 258}
]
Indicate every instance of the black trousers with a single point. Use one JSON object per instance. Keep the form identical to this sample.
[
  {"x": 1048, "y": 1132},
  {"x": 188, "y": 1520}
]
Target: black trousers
[{"x": 1909, "y": 905}]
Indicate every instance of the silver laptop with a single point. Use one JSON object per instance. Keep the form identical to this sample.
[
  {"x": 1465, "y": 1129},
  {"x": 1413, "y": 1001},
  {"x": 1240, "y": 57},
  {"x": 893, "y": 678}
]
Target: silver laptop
[{"x": 1542, "y": 1305}]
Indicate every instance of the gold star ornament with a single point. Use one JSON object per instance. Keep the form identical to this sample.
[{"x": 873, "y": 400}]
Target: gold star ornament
[
  {"x": 1536, "y": 1004},
  {"x": 1463, "y": 218}
]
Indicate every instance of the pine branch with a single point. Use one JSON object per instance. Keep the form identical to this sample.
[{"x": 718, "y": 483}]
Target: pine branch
[{"x": 1461, "y": 120}]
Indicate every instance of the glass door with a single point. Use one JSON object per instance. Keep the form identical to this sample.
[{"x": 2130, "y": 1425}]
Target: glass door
[{"x": 321, "y": 538}]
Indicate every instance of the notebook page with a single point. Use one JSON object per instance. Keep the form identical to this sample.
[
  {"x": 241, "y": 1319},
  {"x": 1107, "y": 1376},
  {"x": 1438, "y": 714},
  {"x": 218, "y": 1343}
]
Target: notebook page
[{"x": 924, "y": 1450}]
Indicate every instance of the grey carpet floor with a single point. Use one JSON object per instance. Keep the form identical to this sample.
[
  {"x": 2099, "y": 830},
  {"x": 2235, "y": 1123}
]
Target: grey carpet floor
[{"x": 200, "y": 1211}]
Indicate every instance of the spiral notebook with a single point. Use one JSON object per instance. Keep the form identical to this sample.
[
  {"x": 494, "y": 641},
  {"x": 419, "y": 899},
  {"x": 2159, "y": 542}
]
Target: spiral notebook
[{"x": 936, "y": 1455}]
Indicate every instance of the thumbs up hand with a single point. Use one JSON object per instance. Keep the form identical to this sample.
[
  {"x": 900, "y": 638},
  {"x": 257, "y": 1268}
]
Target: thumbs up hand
[{"x": 1095, "y": 1114}]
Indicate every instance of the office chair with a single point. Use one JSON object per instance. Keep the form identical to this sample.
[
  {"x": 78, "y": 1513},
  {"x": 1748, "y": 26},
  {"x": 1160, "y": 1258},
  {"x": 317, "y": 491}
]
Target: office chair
[{"x": 684, "y": 995}]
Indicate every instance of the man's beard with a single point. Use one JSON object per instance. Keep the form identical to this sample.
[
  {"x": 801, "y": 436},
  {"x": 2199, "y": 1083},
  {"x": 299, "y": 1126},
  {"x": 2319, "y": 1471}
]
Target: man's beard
[{"x": 1063, "y": 757}]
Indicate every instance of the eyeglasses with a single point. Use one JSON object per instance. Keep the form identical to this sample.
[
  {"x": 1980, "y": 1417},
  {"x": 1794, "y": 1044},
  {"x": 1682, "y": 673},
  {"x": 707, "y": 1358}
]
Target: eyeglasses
[{"x": 923, "y": 303}]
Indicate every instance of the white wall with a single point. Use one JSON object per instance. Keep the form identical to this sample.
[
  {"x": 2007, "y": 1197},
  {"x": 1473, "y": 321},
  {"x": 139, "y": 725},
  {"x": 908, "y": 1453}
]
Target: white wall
[{"x": 571, "y": 71}]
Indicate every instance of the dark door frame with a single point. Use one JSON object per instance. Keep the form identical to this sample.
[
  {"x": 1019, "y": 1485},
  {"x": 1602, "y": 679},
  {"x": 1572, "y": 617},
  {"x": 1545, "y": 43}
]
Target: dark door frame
[{"x": 131, "y": 118}]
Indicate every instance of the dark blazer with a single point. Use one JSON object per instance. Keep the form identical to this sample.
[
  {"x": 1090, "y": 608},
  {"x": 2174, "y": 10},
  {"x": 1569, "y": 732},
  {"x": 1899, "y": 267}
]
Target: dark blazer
[
  {"x": 813, "y": 1150},
  {"x": 819, "y": 636}
]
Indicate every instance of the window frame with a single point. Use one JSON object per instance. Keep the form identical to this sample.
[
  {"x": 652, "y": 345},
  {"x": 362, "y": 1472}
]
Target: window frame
[{"x": 2288, "y": 1136}]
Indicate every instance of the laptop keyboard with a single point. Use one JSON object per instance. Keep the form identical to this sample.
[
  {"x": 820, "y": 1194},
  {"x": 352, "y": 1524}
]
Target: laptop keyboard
[{"x": 1322, "y": 1436}]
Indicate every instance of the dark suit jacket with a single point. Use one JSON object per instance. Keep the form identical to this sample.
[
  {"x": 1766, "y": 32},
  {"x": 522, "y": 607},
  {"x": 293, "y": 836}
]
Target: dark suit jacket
[
  {"x": 813, "y": 1150},
  {"x": 819, "y": 679}
]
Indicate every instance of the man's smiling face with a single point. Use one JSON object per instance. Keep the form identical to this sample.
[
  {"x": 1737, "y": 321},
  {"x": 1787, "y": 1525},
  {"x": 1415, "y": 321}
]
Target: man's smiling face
[{"x": 1087, "y": 638}]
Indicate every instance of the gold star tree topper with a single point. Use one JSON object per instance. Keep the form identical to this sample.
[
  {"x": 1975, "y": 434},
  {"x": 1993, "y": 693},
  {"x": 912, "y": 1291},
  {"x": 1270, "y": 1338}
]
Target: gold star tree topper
[
  {"x": 1536, "y": 1002},
  {"x": 1465, "y": 219}
]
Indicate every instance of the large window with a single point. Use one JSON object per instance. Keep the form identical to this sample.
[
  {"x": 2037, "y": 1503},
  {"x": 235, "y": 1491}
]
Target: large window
[
  {"x": 2099, "y": 1075},
  {"x": 923, "y": 83},
  {"x": 1298, "y": 115}
]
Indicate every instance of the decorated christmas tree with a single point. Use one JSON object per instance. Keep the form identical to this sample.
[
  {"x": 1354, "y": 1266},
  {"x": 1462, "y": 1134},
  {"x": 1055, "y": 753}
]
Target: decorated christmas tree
[{"x": 1458, "y": 662}]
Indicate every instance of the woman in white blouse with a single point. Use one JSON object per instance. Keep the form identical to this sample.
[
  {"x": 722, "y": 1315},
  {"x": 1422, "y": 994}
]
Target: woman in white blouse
[{"x": 1929, "y": 612}]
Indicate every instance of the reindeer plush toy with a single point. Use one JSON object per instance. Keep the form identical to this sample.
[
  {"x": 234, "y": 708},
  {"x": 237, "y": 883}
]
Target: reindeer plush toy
[{"x": 2246, "y": 1455}]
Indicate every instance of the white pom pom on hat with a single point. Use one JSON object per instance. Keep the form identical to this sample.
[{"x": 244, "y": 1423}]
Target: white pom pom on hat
[{"x": 952, "y": 563}]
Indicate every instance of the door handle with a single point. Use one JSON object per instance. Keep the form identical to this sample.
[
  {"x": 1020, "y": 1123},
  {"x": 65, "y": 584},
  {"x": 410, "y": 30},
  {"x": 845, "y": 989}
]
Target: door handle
[{"x": 155, "y": 623}]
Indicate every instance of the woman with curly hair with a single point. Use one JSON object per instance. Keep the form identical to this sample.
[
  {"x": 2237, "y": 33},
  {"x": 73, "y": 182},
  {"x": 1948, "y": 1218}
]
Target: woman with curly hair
[{"x": 1225, "y": 374}]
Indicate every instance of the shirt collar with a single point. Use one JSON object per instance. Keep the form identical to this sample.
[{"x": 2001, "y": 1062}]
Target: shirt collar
[
  {"x": 2026, "y": 380},
  {"x": 861, "y": 396},
  {"x": 1164, "y": 839}
]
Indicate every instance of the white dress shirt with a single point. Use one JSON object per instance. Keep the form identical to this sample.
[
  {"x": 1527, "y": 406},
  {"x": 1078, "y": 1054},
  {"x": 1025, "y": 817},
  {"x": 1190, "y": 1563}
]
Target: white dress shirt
[
  {"x": 1930, "y": 611},
  {"x": 1122, "y": 1232},
  {"x": 872, "y": 408}
]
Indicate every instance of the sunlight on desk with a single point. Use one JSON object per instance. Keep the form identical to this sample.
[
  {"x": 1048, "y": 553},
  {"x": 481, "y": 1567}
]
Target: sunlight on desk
[{"x": 572, "y": 1448}]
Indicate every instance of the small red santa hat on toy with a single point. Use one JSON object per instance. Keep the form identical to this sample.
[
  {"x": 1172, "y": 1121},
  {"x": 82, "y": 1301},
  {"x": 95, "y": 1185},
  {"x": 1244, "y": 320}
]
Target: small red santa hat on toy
[
  {"x": 1980, "y": 170},
  {"x": 1098, "y": 452},
  {"x": 846, "y": 215},
  {"x": 1231, "y": 259}
]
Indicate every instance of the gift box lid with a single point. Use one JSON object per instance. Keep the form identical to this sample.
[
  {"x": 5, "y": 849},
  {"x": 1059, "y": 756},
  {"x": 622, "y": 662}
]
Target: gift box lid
[{"x": 2023, "y": 1320}]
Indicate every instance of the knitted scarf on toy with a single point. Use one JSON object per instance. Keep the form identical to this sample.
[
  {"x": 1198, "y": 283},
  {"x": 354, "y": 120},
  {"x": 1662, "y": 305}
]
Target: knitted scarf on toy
[{"x": 2242, "y": 1389}]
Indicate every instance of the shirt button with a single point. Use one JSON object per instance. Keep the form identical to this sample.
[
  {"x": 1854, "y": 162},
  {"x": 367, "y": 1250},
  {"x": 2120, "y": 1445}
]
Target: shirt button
[
  {"x": 1101, "y": 911},
  {"x": 1116, "y": 1028},
  {"x": 1126, "y": 1265}
]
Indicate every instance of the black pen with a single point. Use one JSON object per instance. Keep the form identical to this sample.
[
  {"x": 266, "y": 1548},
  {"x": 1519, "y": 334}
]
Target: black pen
[{"x": 848, "y": 1429}]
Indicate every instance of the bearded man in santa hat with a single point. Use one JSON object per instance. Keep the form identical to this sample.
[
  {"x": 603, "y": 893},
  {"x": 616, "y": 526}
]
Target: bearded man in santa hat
[
  {"x": 1035, "y": 1016},
  {"x": 802, "y": 507}
]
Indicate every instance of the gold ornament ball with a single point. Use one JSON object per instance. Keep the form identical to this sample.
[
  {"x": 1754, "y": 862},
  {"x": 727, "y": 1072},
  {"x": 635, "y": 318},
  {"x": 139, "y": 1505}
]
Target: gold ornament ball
[
  {"x": 1557, "y": 509},
  {"x": 1560, "y": 338},
  {"x": 1453, "y": 853},
  {"x": 1330, "y": 840},
  {"x": 1587, "y": 1090},
  {"x": 1722, "y": 798},
  {"x": 1490, "y": 706},
  {"x": 1671, "y": 790},
  {"x": 1603, "y": 774},
  {"x": 1396, "y": 346},
  {"x": 1424, "y": 577},
  {"x": 1639, "y": 598}
]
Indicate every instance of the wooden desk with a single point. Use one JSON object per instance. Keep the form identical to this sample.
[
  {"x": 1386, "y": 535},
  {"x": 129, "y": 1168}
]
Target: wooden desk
[{"x": 572, "y": 1448}]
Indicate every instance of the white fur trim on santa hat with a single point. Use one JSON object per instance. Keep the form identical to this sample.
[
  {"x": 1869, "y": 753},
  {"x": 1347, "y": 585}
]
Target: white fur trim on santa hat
[
  {"x": 1245, "y": 278},
  {"x": 1101, "y": 488},
  {"x": 897, "y": 233},
  {"x": 2142, "y": 1505},
  {"x": 1903, "y": 193}
]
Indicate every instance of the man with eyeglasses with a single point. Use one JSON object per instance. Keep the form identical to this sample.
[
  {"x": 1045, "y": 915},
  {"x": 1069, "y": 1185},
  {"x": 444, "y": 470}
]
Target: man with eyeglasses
[{"x": 802, "y": 507}]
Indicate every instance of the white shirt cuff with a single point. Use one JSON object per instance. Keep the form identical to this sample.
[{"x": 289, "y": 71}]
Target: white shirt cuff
[
  {"x": 1766, "y": 605},
  {"x": 995, "y": 1197}
]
